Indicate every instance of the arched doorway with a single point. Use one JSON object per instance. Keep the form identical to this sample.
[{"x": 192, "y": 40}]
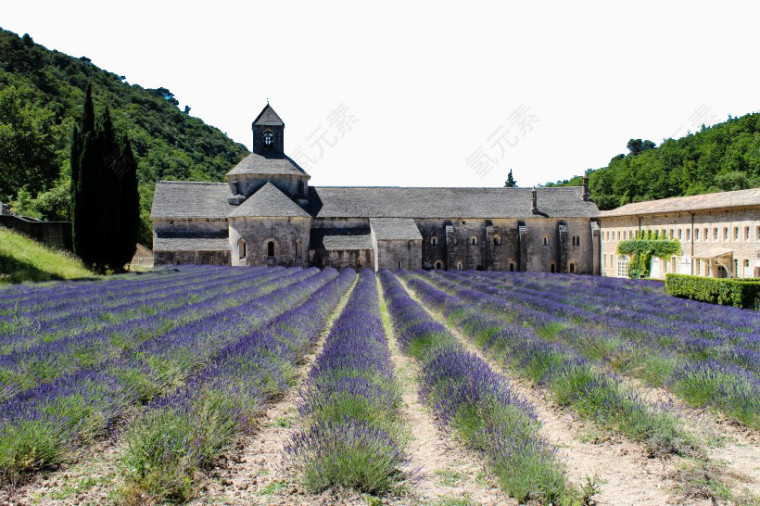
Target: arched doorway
[
  {"x": 438, "y": 265},
  {"x": 270, "y": 248}
]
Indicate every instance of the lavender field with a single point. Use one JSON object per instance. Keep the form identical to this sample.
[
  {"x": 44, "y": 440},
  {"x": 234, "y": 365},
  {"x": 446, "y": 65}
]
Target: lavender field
[{"x": 219, "y": 385}]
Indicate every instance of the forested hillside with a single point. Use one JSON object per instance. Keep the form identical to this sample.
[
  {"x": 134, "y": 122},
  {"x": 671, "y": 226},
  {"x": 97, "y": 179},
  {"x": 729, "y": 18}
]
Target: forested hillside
[
  {"x": 41, "y": 96},
  {"x": 722, "y": 157}
]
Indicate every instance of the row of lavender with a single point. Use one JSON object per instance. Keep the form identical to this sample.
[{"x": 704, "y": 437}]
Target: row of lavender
[
  {"x": 31, "y": 366},
  {"x": 352, "y": 433},
  {"x": 573, "y": 380},
  {"x": 42, "y": 426},
  {"x": 695, "y": 356},
  {"x": 468, "y": 396},
  {"x": 187, "y": 429},
  {"x": 59, "y": 318}
]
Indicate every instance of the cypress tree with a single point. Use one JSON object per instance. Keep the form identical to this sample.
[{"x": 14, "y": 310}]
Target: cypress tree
[{"x": 106, "y": 208}]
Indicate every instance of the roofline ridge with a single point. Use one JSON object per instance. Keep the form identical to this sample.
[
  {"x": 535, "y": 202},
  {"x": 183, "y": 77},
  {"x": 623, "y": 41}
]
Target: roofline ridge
[{"x": 165, "y": 181}]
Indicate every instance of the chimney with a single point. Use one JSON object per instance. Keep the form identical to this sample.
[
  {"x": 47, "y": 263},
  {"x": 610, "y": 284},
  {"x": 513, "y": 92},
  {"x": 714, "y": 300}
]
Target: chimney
[
  {"x": 534, "y": 203},
  {"x": 586, "y": 197}
]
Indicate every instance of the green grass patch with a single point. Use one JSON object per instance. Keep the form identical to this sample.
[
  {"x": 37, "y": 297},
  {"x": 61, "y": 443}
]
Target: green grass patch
[{"x": 23, "y": 259}]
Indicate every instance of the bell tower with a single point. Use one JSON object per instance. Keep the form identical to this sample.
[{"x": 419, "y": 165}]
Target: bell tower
[{"x": 268, "y": 134}]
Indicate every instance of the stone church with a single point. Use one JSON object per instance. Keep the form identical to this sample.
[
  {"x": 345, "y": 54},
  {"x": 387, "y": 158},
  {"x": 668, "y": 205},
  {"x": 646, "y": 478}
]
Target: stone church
[{"x": 268, "y": 214}]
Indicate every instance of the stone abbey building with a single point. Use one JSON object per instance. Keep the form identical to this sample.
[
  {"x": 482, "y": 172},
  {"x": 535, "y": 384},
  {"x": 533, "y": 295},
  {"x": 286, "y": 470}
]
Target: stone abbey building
[{"x": 268, "y": 214}]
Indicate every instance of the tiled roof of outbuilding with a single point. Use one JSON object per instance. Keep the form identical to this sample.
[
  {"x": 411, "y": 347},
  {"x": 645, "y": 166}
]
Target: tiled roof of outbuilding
[
  {"x": 268, "y": 202},
  {"x": 399, "y": 202},
  {"x": 395, "y": 229},
  {"x": 185, "y": 199},
  {"x": 190, "y": 244},
  {"x": 722, "y": 200},
  {"x": 254, "y": 164}
]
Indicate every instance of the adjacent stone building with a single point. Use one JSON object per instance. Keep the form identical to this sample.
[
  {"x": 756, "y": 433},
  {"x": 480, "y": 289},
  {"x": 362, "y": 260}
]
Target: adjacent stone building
[
  {"x": 268, "y": 214},
  {"x": 719, "y": 234}
]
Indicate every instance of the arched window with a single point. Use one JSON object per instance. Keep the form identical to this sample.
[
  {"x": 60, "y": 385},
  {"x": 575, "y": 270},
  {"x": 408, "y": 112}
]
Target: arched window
[
  {"x": 434, "y": 240},
  {"x": 459, "y": 266},
  {"x": 438, "y": 265},
  {"x": 473, "y": 240},
  {"x": 546, "y": 242},
  {"x": 496, "y": 240},
  {"x": 242, "y": 248},
  {"x": 270, "y": 248},
  {"x": 572, "y": 268}
]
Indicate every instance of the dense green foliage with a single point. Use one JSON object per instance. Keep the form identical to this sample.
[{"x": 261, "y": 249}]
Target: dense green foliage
[
  {"x": 722, "y": 157},
  {"x": 23, "y": 259},
  {"x": 744, "y": 293},
  {"x": 105, "y": 202},
  {"x": 41, "y": 97},
  {"x": 643, "y": 248}
]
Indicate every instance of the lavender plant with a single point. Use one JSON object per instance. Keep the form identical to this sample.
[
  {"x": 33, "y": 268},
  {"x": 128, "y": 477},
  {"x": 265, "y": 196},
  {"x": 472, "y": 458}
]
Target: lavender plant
[
  {"x": 352, "y": 434},
  {"x": 470, "y": 397}
]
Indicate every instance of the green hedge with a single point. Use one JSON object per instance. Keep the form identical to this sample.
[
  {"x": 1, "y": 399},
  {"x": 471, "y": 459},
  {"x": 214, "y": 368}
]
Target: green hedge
[{"x": 744, "y": 293}]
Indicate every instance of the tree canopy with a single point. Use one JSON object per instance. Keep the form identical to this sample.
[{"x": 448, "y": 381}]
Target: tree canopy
[
  {"x": 41, "y": 99},
  {"x": 722, "y": 157}
]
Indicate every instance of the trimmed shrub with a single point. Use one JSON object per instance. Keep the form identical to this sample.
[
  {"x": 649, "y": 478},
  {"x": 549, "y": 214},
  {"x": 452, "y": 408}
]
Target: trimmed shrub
[{"x": 742, "y": 293}]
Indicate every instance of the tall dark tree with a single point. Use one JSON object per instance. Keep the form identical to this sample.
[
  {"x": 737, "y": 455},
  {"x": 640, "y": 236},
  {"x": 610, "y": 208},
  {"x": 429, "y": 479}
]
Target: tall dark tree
[
  {"x": 105, "y": 195},
  {"x": 510, "y": 182}
]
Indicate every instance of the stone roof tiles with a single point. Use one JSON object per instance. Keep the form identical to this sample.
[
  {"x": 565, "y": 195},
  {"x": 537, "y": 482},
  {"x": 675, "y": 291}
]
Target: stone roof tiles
[
  {"x": 255, "y": 164},
  {"x": 209, "y": 200},
  {"x": 395, "y": 229},
  {"x": 190, "y": 244},
  {"x": 268, "y": 117},
  {"x": 739, "y": 198},
  {"x": 185, "y": 199},
  {"x": 484, "y": 203},
  {"x": 268, "y": 202}
]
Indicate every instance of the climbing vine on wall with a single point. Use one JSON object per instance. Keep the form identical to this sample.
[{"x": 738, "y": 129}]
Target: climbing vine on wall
[{"x": 643, "y": 248}]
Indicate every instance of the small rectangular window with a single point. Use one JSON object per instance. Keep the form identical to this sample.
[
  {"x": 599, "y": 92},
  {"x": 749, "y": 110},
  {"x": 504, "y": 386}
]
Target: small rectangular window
[
  {"x": 725, "y": 233},
  {"x": 706, "y": 236},
  {"x": 757, "y": 237},
  {"x": 688, "y": 234},
  {"x": 670, "y": 234},
  {"x": 715, "y": 233},
  {"x": 680, "y": 233},
  {"x": 696, "y": 234},
  {"x": 746, "y": 233},
  {"x": 736, "y": 233}
]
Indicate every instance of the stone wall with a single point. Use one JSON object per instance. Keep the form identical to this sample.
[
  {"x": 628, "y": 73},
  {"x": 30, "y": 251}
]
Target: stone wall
[
  {"x": 288, "y": 185},
  {"x": 701, "y": 234},
  {"x": 342, "y": 259},
  {"x": 195, "y": 227},
  {"x": 54, "y": 234},
  {"x": 399, "y": 254},
  {"x": 191, "y": 257},
  {"x": 290, "y": 237}
]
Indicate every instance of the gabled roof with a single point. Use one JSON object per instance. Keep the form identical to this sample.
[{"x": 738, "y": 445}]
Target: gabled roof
[
  {"x": 254, "y": 164},
  {"x": 268, "y": 117},
  {"x": 185, "y": 199},
  {"x": 268, "y": 202},
  {"x": 388, "y": 229},
  {"x": 722, "y": 200},
  {"x": 482, "y": 203}
]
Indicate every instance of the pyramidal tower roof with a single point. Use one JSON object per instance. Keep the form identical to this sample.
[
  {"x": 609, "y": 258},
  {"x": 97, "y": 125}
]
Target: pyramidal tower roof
[{"x": 267, "y": 117}]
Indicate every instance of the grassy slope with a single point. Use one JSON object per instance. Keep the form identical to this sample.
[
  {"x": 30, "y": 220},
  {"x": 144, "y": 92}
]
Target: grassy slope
[{"x": 23, "y": 259}]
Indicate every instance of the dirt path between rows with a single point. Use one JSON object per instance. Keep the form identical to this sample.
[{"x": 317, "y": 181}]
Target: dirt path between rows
[
  {"x": 255, "y": 472},
  {"x": 622, "y": 469},
  {"x": 440, "y": 469},
  {"x": 734, "y": 447}
]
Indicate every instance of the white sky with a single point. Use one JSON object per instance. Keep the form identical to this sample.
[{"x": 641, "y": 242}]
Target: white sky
[{"x": 547, "y": 89}]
